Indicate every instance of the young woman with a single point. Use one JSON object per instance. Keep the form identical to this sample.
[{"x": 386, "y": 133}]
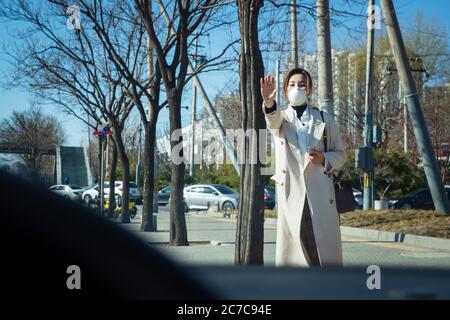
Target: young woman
[{"x": 308, "y": 231}]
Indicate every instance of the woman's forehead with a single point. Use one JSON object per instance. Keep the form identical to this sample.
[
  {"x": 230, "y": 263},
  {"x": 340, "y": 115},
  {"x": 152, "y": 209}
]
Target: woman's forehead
[{"x": 297, "y": 78}]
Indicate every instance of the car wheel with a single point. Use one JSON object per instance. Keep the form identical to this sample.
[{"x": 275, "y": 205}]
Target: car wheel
[
  {"x": 227, "y": 206},
  {"x": 87, "y": 199},
  {"x": 186, "y": 208},
  {"x": 406, "y": 206}
]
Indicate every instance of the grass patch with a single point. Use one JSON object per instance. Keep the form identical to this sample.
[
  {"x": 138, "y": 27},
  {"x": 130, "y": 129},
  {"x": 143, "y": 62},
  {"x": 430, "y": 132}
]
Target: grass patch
[{"x": 418, "y": 222}]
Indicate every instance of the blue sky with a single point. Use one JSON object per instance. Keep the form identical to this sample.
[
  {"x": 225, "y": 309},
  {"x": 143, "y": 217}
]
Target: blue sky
[{"x": 19, "y": 99}]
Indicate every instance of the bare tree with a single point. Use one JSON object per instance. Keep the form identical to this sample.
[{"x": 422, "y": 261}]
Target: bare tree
[
  {"x": 229, "y": 107},
  {"x": 35, "y": 132},
  {"x": 107, "y": 19},
  {"x": 186, "y": 18},
  {"x": 72, "y": 70},
  {"x": 250, "y": 233}
]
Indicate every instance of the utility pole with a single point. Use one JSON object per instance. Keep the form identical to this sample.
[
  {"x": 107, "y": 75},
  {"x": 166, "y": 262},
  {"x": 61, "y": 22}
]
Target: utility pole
[
  {"x": 102, "y": 173},
  {"x": 106, "y": 142},
  {"x": 368, "y": 139},
  {"x": 325, "y": 82},
  {"x": 194, "y": 111},
  {"x": 405, "y": 117},
  {"x": 89, "y": 140},
  {"x": 421, "y": 133},
  {"x": 402, "y": 103},
  {"x": 104, "y": 131},
  {"x": 138, "y": 164},
  {"x": 294, "y": 37}
]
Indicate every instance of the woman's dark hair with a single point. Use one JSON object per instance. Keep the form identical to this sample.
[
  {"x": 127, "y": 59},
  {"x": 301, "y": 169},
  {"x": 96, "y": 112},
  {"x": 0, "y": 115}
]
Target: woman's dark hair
[{"x": 294, "y": 71}]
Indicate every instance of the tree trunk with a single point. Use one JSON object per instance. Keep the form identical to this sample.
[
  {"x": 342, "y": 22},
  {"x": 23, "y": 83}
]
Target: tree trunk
[
  {"x": 177, "y": 230},
  {"x": 125, "y": 162},
  {"x": 250, "y": 224},
  {"x": 149, "y": 175},
  {"x": 112, "y": 180}
]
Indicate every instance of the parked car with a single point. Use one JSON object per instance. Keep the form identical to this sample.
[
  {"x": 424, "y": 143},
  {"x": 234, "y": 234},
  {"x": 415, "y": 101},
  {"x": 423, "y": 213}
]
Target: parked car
[
  {"x": 419, "y": 199},
  {"x": 359, "y": 200},
  {"x": 197, "y": 197},
  {"x": 164, "y": 196},
  {"x": 71, "y": 191},
  {"x": 135, "y": 195},
  {"x": 269, "y": 198},
  {"x": 92, "y": 193}
]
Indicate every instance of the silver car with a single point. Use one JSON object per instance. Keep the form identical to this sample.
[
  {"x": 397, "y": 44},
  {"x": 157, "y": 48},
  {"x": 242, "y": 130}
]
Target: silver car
[
  {"x": 72, "y": 192},
  {"x": 198, "y": 197}
]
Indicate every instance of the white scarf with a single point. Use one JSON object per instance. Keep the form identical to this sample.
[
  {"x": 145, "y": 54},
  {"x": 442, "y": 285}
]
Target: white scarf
[{"x": 302, "y": 130}]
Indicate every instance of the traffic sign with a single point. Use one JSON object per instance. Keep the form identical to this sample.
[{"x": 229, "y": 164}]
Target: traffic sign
[{"x": 102, "y": 133}]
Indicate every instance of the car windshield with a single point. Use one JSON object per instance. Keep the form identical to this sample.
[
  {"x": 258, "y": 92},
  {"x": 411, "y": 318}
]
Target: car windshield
[
  {"x": 266, "y": 188},
  {"x": 130, "y": 184},
  {"x": 270, "y": 189},
  {"x": 225, "y": 189}
]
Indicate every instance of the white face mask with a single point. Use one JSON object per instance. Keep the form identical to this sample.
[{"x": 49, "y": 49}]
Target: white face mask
[{"x": 297, "y": 96}]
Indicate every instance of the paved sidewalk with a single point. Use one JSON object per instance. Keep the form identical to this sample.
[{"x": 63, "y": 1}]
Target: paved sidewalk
[{"x": 212, "y": 242}]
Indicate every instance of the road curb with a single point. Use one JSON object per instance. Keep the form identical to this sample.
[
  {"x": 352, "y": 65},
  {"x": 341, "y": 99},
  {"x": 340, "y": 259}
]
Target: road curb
[
  {"x": 377, "y": 235},
  {"x": 234, "y": 216}
]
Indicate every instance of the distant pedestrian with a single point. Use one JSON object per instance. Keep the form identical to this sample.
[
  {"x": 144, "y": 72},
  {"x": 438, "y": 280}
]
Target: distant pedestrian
[
  {"x": 308, "y": 231},
  {"x": 67, "y": 180}
]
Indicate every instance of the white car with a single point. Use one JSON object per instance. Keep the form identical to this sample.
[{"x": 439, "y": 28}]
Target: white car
[
  {"x": 71, "y": 191},
  {"x": 91, "y": 194},
  {"x": 197, "y": 197},
  {"x": 358, "y": 198}
]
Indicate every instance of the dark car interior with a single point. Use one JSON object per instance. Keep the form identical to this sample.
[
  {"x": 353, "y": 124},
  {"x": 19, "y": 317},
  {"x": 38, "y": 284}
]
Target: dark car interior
[{"x": 43, "y": 234}]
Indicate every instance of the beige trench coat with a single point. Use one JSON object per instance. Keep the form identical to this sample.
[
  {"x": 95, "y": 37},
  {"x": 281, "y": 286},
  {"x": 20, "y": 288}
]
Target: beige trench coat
[{"x": 294, "y": 182}]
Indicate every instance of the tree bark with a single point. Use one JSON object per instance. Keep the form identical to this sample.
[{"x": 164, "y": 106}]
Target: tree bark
[
  {"x": 125, "y": 163},
  {"x": 177, "y": 230},
  {"x": 112, "y": 180},
  {"x": 250, "y": 224},
  {"x": 149, "y": 175}
]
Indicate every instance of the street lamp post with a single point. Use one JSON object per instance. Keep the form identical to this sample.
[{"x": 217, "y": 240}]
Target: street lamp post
[
  {"x": 138, "y": 164},
  {"x": 101, "y": 135}
]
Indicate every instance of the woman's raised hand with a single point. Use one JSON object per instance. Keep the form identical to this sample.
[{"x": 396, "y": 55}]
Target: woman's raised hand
[{"x": 268, "y": 90}]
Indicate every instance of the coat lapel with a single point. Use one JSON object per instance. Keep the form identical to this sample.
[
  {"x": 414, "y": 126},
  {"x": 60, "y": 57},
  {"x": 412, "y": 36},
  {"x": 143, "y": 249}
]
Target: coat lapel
[
  {"x": 291, "y": 137},
  {"x": 314, "y": 134},
  {"x": 290, "y": 133}
]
